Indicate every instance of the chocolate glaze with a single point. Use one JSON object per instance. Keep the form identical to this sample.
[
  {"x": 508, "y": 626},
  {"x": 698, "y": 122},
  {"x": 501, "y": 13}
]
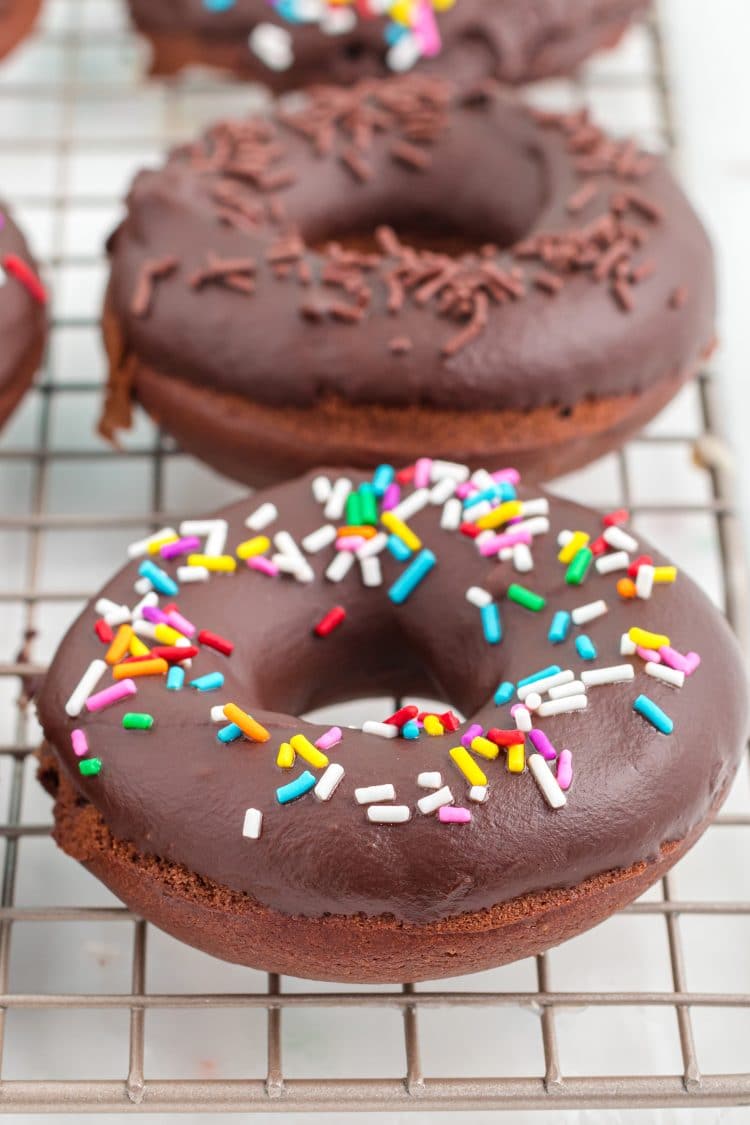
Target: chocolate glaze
[
  {"x": 16, "y": 19},
  {"x": 514, "y": 40},
  {"x": 178, "y": 794},
  {"x": 598, "y": 239},
  {"x": 22, "y": 318}
]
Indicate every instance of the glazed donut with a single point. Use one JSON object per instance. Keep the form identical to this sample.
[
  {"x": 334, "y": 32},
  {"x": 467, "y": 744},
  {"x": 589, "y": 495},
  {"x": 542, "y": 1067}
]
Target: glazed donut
[
  {"x": 287, "y": 45},
  {"x": 23, "y": 322},
  {"x": 536, "y": 305},
  {"x": 17, "y": 17},
  {"x": 595, "y": 748}
]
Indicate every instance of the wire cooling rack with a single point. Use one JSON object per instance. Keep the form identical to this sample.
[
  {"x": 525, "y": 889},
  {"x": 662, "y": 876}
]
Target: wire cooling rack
[{"x": 651, "y": 1008}]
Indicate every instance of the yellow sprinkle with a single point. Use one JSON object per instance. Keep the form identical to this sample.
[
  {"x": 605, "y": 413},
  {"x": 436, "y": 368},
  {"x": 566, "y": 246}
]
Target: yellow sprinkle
[
  {"x": 155, "y": 547},
  {"x": 247, "y": 724},
  {"x": 120, "y": 645},
  {"x": 304, "y": 747},
  {"x": 224, "y": 563},
  {"x": 398, "y": 528},
  {"x": 433, "y": 725},
  {"x": 500, "y": 515},
  {"x": 644, "y": 639},
  {"x": 578, "y": 541},
  {"x": 484, "y": 747},
  {"x": 258, "y": 545},
  {"x": 137, "y": 647},
  {"x": 516, "y": 758},
  {"x": 468, "y": 767},
  {"x": 285, "y": 757},
  {"x": 166, "y": 635},
  {"x": 665, "y": 573}
]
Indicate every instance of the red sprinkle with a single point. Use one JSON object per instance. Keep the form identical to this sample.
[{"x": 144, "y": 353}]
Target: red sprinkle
[
  {"x": 621, "y": 515},
  {"x": 598, "y": 546},
  {"x": 505, "y": 737},
  {"x": 331, "y": 621},
  {"x": 469, "y": 529},
  {"x": 635, "y": 566},
  {"x": 173, "y": 654},
  {"x": 450, "y": 721},
  {"x": 406, "y": 476},
  {"x": 23, "y": 272},
  {"x": 403, "y": 715},
  {"x": 104, "y": 632},
  {"x": 212, "y": 640},
  {"x": 171, "y": 608}
]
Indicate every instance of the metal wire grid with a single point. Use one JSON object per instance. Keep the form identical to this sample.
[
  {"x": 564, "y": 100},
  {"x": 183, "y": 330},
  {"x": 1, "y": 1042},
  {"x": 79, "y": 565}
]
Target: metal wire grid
[{"x": 135, "y": 1091}]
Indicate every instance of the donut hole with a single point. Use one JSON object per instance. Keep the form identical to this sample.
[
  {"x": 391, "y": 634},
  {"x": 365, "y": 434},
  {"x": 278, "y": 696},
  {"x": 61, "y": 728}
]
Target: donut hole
[
  {"x": 425, "y": 233},
  {"x": 353, "y": 713}
]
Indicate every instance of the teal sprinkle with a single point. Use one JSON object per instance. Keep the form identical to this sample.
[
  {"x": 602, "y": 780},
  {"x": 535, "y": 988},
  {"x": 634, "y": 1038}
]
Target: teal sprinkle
[
  {"x": 541, "y": 675},
  {"x": 646, "y": 707},
  {"x": 559, "y": 628},
  {"x": 410, "y": 730},
  {"x": 586, "y": 648},
  {"x": 230, "y": 733},
  {"x": 297, "y": 788},
  {"x": 398, "y": 548},
  {"x": 504, "y": 693}
]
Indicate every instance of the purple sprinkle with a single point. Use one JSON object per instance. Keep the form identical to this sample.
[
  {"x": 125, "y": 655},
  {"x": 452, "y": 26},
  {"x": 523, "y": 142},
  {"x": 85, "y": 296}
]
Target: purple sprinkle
[
  {"x": 506, "y": 476},
  {"x": 391, "y": 497},
  {"x": 474, "y": 731},
  {"x": 180, "y": 547},
  {"x": 155, "y": 615},
  {"x": 542, "y": 744}
]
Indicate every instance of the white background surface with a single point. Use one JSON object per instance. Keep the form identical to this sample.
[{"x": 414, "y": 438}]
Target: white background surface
[{"x": 708, "y": 49}]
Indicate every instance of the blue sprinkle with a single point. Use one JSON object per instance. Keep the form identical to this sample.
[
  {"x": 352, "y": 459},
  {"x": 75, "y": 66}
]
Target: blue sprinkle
[
  {"x": 175, "y": 678},
  {"x": 559, "y": 628},
  {"x": 493, "y": 493},
  {"x": 541, "y": 675},
  {"x": 398, "y": 548},
  {"x": 394, "y": 32},
  {"x": 585, "y": 647},
  {"x": 493, "y": 630},
  {"x": 158, "y": 578},
  {"x": 230, "y": 733},
  {"x": 646, "y": 707},
  {"x": 507, "y": 491},
  {"x": 297, "y": 788},
  {"x": 415, "y": 573},
  {"x": 410, "y": 730},
  {"x": 212, "y": 681},
  {"x": 504, "y": 693},
  {"x": 383, "y": 476},
  {"x": 218, "y": 5}
]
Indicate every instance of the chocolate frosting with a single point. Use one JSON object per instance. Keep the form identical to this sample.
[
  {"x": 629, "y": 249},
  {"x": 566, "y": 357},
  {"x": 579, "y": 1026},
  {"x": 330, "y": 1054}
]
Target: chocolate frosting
[
  {"x": 600, "y": 280},
  {"x": 514, "y": 40},
  {"x": 22, "y": 318},
  {"x": 179, "y": 794}
]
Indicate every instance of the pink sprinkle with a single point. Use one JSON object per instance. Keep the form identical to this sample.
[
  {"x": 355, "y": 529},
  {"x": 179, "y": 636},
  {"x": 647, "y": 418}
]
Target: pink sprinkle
[
  {"x": 498, "y": 542},
  {"x": 155, "y": 615},
  {"x": 350, "y": 542},
  {"x": 518, "y": 707},
  {"x": 80, "y": 743},
  {"x": 180, "y": 547},
  {"x": 391, "y": 497},
  {"x": 674, "y": 659},
  {"x": 422, "y": 472},
  {"x": 565, "y": 769},
  {"x": 506, "y": 476},
  {"x": 331, "y": 738},
  {"x": 180, "y": 623},
  {"x": 122, "y": 690},
  {"x": 692, "y": 660},
  {"x": 474, "y": 731},
  {"x": 542, "y": 744},
  {"x": 649, "y": 654},
  {"x": 451, "y": 814},
  {"x": 265, "y": 566},
  {"x": 426, "y": 30},
  {"x": 464, "y": 491}
]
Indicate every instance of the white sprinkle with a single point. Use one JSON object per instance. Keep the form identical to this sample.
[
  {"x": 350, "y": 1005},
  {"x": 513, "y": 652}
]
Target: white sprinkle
[
  {"x": 533, "y": 701},
  {"x": 575, "y": 687},
  {"x": 523, "y": 560},
  {"x": 542, "y": 686},
  {"x": 340, "y": 567},
  {"x": 321, "y": 489},
  {"x": 272, "y": 45},
  {"x": 217, "y": 713},
  {"x": 478, "y": 793},
  {"x": 105, "y": 605},
  {"x": 478, "y": 597},
  {"x": 443, "y": 490},
  {"x": 217, "y": 539},
  {"x": 589, "y": 612},
  {"x": 150, "y": 599},
  {"x": 371, "y": 794},
  {"x": 200, "y": 528},
  {"x": 337, "y": 21},
  {"x": 546, "y": 781},
  {"x": 119, "y": 616},
  {"x": 476, "y": 511},
  {"x": 620, "y": 540},
  {"x": 564, "y": 538},
  {"x": 522, "y": 719},
  {"x": 301, "y": 571},
  {"x": 404, "y": 53},
  {"x": 644, "y": 582},
  {"x": 667, "y": 675},
  {"x": 319, "y": 539},
  {"x": 143, "y": 585},
  {"x": 382, "y": 730},
  {"x": 618, "y": 560},
  {"x": 374, "y": 546},
  {"x": 252, "y": 824},
  {"x": 192, "y": 574},
  {"x": 450, "y": 469},
  {"x": 140, "y": 548},
  {"x": 183, "y": 642},
  {"x": 483, "y": 480},
  {"x": 389, "y": 814},
  {"x": 334, "y": 509},
  {"x": 627, "y": 647},
  {"x": 562, "y": 706},
  {"x": 85, "y": 688},
  {"x": 483, "y": 537},
  {"x": 538, "y": 525},
  {"x": 372, "y": 575},
  {"x": 434, "y": 801},
  {"x": 262, "y": 517},
  {"x": 145, "y": 629},
  {"x": 450, "y": 519},
  {"x": 414, "y": 503},
  {"x": 617, "y": 674},
  {"x": 539, "y": 507},
  {"x": 506, "y": 554},
  {"x": 430, "y": 780},
  {"x": 329, "y": 782}
]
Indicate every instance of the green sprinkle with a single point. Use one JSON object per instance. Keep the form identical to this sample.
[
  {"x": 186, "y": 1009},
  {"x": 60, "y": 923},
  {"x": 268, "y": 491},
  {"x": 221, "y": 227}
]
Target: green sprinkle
[
  {"x": 527, "y": 598},
  {"x": 354, "y": 509},
  {"x": 90, "y": 767},
  {"x": 579, "y": 567},
  {"x": 135, "y": 721},
  {"x": 369, "y": 503}
]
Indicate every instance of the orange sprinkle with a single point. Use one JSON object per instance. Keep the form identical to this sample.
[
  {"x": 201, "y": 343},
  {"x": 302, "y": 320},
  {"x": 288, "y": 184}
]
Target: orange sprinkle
[
  {"x": 120, "y": 645},
  {"x": 626, "y": 588},
  {"x": 364, "y": 532},
  {"x": 247, "y": 724},
  {"x": 156, "y": 667}
]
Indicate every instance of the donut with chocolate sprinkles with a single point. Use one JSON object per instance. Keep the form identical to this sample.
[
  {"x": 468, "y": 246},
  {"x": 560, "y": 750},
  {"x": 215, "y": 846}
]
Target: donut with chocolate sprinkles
[
  {"x": 399, "y": 266},
  {"x": 23, "y": 319},
  {"x": 17, "y": 18}
]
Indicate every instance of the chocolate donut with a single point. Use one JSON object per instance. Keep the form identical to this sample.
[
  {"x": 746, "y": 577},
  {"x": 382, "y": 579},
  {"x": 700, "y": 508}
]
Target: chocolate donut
[
  {"x": 17, "y": 17},
  {"x": 422, "y": 845},
  {"x": 286, "y": 45},
  {"x": 23, "y": 321},
  {"x": 546, "y": 289}
]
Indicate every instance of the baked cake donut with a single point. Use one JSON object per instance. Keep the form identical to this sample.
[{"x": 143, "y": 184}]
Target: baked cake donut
[
  {"x": 592, "y": 747},
  {"x": 23, "y": 322},
  {"x": 536, "y": 305},
  {"x": 292, "y": 43},
  {"x": 17, "y": 17}
]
